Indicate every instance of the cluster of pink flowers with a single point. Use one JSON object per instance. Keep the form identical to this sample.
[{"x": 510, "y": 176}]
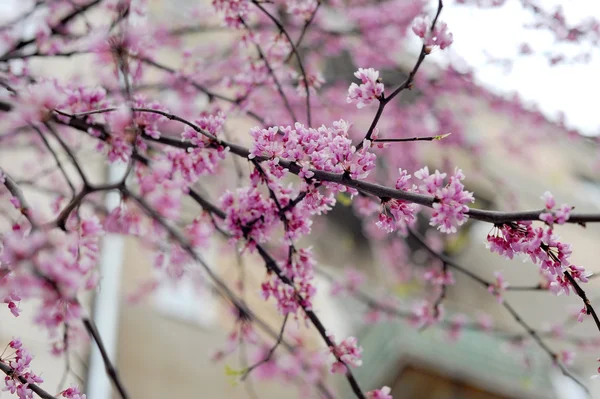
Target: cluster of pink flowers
[
  {"x": 212, "y": 124},
  {"x": 249, "y": 214},
  {"x": 73, "y": 393},
  {"x": 233, "y": 10},
  {"x": 302, "y": 8},
  {"x": 402, "y": 213},
  {"x": 315, "y": 81},
  {"x": 242, "y": 332},
  {"x": 125, "y": 125},
  {"x": 457, "y": 324},
  {"x": 299, "y": 269},
  {"x": 288, "y": 298},
  {"x": 369, "y": 90},
  {"x": 350, "y": 283},
  {"x": 328, "y": 149},
  {"x": 200, "y": 231},
  {"x": 449, "y": 207},
  {"x": 439, "y": 36},
  {"x": 348, "y": 352},
  {"x": 550, "y": 215},
  {"x": 541, "y": 245},
  {"x": 383, "y": 393},
  {"x": 438, "y": 276},
  {"x": 423, "y": 315},
  {"x": 498, "y": 287},
  {"x": 36, "y": 102},
  {"x": 450, "y": 200},
  {"x": 68, "y": 260},
  {"x": 82, "y": 99},
  {"x": 20, "y": 363}
]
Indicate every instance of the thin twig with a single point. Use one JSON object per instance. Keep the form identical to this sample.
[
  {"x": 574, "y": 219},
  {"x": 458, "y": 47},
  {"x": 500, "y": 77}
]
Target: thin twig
[
  {"x": 271, "y": 351},
  {"x": 262, "y": 56},
  {"x": 295, "y": 51},
  {"x": 56, "y": 158},
  {"x": 407, "y": 84},
  {"x": 111, "y": 371},
  {"x": 16, "y": 191}
]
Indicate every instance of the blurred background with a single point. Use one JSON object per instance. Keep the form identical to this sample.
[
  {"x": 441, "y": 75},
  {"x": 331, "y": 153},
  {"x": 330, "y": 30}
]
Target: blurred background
[{"x": 164, "y": 344}]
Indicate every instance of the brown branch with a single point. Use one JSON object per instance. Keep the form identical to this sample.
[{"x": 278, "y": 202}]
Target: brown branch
[
  {"x": 271, "y": 351},
  {"x": 586, "y": 302},
  {"x": 16, "y": 191},
  {"x": 534, "y": 335},
  {"x": 56, "y": 158},
  {"x": 496, "y": 217},
  {"x": 70, "y": 154},
  {"x": 111, "y": 371}
]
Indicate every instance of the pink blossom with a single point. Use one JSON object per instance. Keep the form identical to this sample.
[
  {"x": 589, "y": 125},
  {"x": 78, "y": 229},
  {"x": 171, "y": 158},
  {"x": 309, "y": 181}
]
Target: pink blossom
[
  {"x": 597, "y": 375},
  {"x": 315, "y": 81},
  {"x": 328, "y": 149},
  {"x": 486, "y": 322},
  {"x": 36, "y": 103},
  {"x": 233, "y": 10},
  {"x": 350, "y": 283},
  {"x": 457, "y": 324},
  {"x": 498, "y": 287},
  {"x": 348, "y": 352},
  {"x": 15, "y": 202},
  {"x": 73, "y": 393},
  {"x": 439, "y": 36},
  {"x": 212, "y": 124},
  {"x": 200, "y": 231},
  {"x": 549, "y": 200},
  {"x": 249, "y": 214},
  {"x": 581, "y": 315},
  {"x": 450, "y": 201},
  {"x": 20, "y": 363},
  {"x": 11, "y": 300},
  {"x": 369, "y": 90},
  {"x": 566, "y": 357},
  {"x": 383, "y": 393},
  {"x": 540, "y": 245},
  {"x": 402, "y": 214},
  {"x": 550, "y": 215},
  {"x": 440, "y": 277},
  {"x": 422, "y": 315},
  {"x": 302, "y": 8}
]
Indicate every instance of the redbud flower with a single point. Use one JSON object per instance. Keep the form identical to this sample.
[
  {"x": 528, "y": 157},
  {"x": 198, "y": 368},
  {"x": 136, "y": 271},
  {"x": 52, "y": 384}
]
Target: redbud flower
[
  {"x": 383, "y": 393},
  {"x": 439, "y": 36},
  {"x": 73, "y": 393},
  {"x": 499, "y": 286},
  {"x": 551, "y": 216},
  {"x": 566, "y": 357},
  {"x": 234, "y": 10},
  {"x": 20, "y": 364},
  {"x": 370, "y": 89},
  {"x": 450, "y": 201},
  {"x": 348, "y": 352}
]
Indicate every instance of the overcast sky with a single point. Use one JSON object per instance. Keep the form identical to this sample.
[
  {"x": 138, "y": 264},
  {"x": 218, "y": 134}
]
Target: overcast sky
[{"x": 573, "y": 89}]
